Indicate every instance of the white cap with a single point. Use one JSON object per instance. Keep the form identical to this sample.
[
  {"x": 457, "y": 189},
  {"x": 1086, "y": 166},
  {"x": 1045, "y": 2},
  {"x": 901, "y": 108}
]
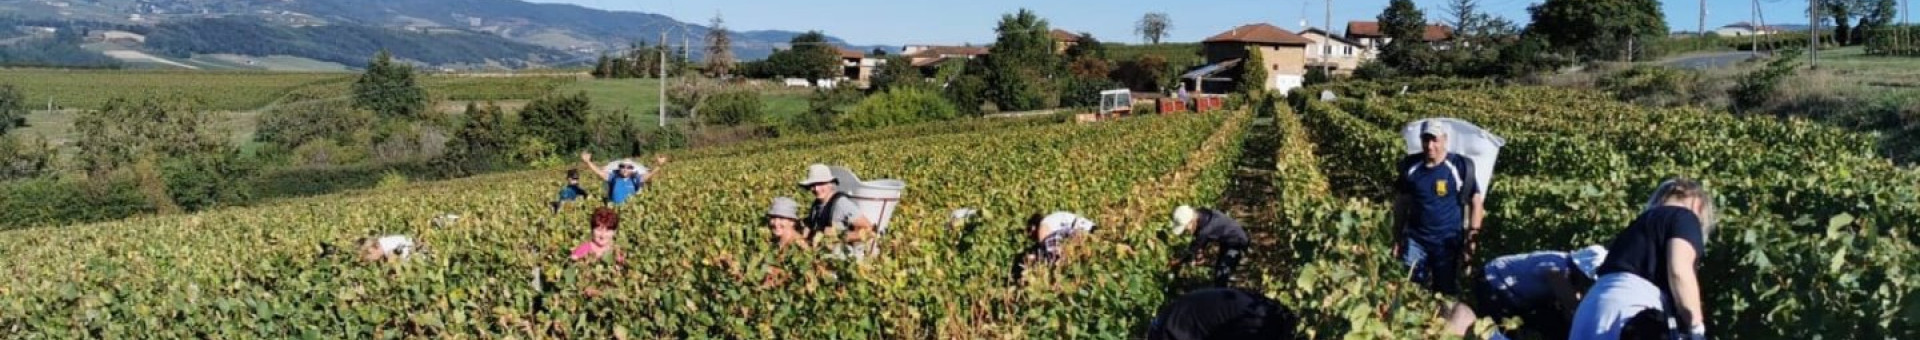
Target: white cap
[
  {"x": 1183, "y": 216},
  {"x": 817, "y": 173},
  {"x": 1588, "y": 260},
  {"x": 1435, "y": 127}
]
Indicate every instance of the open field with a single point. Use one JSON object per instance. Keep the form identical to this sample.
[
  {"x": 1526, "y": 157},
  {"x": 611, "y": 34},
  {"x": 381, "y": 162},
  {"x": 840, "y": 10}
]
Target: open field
[{"x": 89, "y": 89}]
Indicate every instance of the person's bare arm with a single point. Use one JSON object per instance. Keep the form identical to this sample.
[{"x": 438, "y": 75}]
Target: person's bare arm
[
  {"x": 1475, "y": 212},
  {"x": 659, "y": 162},
  {"x": 1683, "y": 282},
  {"x": 862, "y": 228},
  {"x": 587, "y": 158}
]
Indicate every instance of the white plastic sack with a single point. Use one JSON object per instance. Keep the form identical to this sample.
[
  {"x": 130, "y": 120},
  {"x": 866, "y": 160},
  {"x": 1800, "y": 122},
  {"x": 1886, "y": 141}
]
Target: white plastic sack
[
  {"x": 615, "y": 166},
  {"x": 877, "y": 199},
  {"x": 1468, "y": 140}
]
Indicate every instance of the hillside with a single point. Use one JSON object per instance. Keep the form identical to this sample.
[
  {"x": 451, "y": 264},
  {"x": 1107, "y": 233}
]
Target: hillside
[{"x": 574, "y": 29}]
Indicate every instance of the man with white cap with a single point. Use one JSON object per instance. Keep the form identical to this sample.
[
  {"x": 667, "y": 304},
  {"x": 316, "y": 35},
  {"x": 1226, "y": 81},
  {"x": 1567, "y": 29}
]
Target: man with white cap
[
  {"x": 1212, "y": 228},
  {"x": 832, "y": 210},
  {"x": 1541, "y": 288},
  {"x": 784, "y": 220},
  {"x": 1051, "y": 231},
  {"x": 1438, "y": 207},
  {"x": 624, "y": 177}
]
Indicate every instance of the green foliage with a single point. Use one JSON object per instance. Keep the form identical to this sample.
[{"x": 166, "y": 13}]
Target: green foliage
[
  {"x": 1652, "y": 85},
  {"x": 1020, "y": 63},
  {"x": 1531, "y": 55},
  {"x": 507, "y": 254},
  {"x": 719, "y": 63},
  {"x": 1087, "y": 47},
  {"x": 312, "y": 119},
  {"x": 1253, "y": 77},
  {"x": 389, "y": 89},
  {"x": 125, "y": 131},
  {"x": 1754, "y": 90},
  {"x": 897, "y": 107},
  {"x": 479, "y": 143},
  {"x": 1599, "y": 29},
  {"x": 1406, "y": 25},
  {"x": 1148, "y": 73},
  {"x": 24, "y": 157},
  {"x": 823, "y": 109},
  {"x": 201, "y": 181},
  {"x": 13, "y": 109},
  {"x": 967, "y": 93},
  {"x": 558, "y": 119},
  {"x": 811, "y": 57},
  {"x": 1903, "y": 41},
  {"x": 1082, "y": 92},
  {"x": 898, "y": 71},
  {"x": 54, "y": 201},
  {"x": 1317, "y": 76},
  {"x": 733, "y": 108}
]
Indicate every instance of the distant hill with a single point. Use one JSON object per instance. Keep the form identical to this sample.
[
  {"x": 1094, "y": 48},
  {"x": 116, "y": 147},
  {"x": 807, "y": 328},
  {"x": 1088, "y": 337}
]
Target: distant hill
[
  {"x": 570, "y": 29},
  {"x": 345, "y": 44}
]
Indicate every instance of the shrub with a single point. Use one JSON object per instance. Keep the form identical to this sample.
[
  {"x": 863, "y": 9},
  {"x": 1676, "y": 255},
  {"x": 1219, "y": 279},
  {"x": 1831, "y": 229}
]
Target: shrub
[
  {"x": 732, "y": 108},
  {"x": 51, "y": 200},
  {"x": 202, "y": 181},
  {"x": 1085, "y": 92},
  {"x": 900, "y": 106},
  {"x": 13, "y": 108},
  {"x": 1651, "y": 85},
  {"x": 291, "y": 126},
  {"x": 1753, "y": 90},
  {"x": 24, "y": 157},
  {"x": 967, "y": 93},
  {"x": 558, "y": 119}
]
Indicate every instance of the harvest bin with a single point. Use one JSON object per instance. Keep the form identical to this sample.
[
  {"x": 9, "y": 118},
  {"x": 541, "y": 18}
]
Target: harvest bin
[{"x": 877, "y": 199}]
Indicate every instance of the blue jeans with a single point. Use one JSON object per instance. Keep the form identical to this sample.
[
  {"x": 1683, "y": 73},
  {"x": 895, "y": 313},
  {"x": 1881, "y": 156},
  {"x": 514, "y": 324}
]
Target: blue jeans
[{"x": 1435, "y": 266}]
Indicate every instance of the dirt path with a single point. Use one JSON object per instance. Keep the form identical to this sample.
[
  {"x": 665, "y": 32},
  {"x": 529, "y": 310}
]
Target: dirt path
[{"x": 1249, "y": 197}]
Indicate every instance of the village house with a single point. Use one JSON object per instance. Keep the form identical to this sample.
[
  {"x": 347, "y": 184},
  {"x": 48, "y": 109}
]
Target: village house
[
  {"x": 1283, "y": 53},
  {"x": 1063, "y": 40},
  {"x": 923, "y": 56},
  {"x": 1369, "y": 35},
  {"x": 1742, "y": 29},
  {"x": 856, "y": 66},
  {"x": 1334, "y": 53}
]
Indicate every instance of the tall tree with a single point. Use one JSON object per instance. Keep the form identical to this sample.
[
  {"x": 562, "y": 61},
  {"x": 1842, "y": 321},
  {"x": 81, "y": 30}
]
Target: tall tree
[
  {"x": 1875, "y": 15},
  {"x": 1253, "y": 72},
  {"x": 1020, "y": 60},
  {"x": 13, "y": 108},
  {"x": 1405, "y": 26},
  {"x": 1087, "y": 46},
  {"x": 1598, "y": 29},
  {"x": 810, "y": 56},
  {"x": 388, "y": 88},
  {"x": 897, "y": 71},
  {"x": 1153, "y": 26}
]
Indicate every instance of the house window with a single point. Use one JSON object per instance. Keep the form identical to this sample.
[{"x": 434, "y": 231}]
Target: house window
[
  {"x": 1349, "y": 50},
  {"x": 1276, "y": 67},
  {"x": 1328, "y": 49}
]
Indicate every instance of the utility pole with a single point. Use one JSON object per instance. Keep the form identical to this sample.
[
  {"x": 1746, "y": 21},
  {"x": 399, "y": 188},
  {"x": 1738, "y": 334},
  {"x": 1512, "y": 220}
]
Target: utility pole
[
  {"x": 1326, "y": 48},
  {"x": 1813, "y": 34},
  {"x": 663, "y": 78},
  {"x": 1754, "y": 18},
  {"x": 1702, "y": 32}
]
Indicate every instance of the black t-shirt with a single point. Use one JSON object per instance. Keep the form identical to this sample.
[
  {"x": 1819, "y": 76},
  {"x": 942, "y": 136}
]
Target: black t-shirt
[
  {"x": 1222, "y": 313},
  {"x": 1642, "y": 248}
]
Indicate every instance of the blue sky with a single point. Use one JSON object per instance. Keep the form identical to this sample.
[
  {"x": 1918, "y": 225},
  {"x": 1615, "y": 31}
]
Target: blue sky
[{"x": 896, "y": 22}]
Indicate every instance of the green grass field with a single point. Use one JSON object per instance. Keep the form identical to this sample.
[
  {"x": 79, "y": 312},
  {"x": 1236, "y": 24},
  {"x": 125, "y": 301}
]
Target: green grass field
[{"x": 1872, "y": 72}]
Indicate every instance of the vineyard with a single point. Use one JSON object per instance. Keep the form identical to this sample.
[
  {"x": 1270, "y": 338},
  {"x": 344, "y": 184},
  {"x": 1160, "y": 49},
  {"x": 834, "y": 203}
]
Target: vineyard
[
  {"x": 90, "y": 89},
  {"x": 701, "y": 261},
  {"x": 1816, "y": 238}
]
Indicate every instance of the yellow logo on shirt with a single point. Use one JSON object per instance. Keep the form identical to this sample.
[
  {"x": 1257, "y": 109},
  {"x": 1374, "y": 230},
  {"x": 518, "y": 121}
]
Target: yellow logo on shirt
[{"x": 1440, "y": 187}]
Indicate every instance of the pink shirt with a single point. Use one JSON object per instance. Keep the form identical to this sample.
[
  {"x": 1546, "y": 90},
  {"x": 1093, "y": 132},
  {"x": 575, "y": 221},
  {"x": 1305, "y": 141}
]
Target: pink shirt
[{"x": 588, "y": 249}]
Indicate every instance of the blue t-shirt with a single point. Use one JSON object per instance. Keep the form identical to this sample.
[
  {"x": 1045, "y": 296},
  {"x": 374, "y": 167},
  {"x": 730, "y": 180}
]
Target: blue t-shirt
[
  {"x": 620, "y": 188},
  {"x": 1441, "y": 193},
  {"x": 1522, "y": 276},
  {"x": 571, "y": 192}
]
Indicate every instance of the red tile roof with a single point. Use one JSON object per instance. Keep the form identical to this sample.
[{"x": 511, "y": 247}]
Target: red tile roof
[
  {"x": 1063, "y": 35},
  {"x": 850, "y": 54},
  {"x": 1259, "y": 34},
  {"x": 1371, "y": 29}
]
